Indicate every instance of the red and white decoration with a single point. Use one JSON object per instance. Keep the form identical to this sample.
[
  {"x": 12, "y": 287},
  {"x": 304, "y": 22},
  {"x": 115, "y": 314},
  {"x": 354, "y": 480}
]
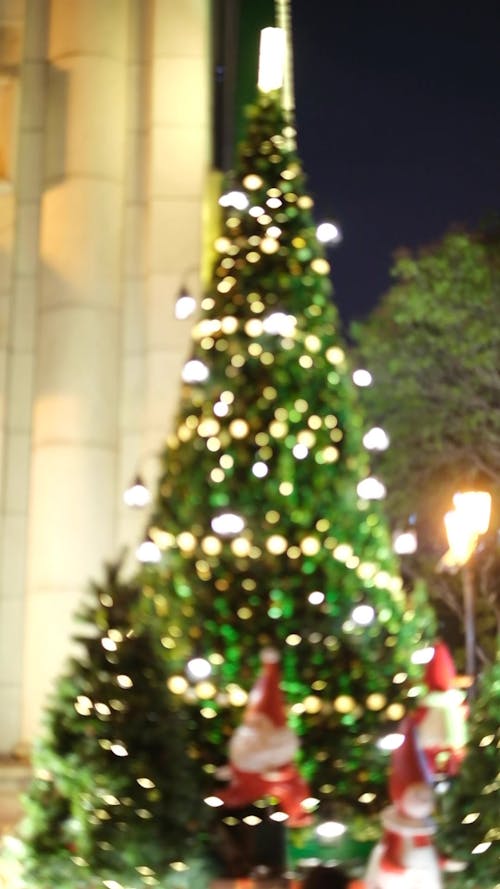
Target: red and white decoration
[
  {"x": 262, "y": 750},
  {"x": 406, "y": 858},
  {"x": 442, "y": 716}
]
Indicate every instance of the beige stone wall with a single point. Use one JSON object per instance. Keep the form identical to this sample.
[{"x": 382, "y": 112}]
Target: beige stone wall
[{"x": 111, "y": 159}]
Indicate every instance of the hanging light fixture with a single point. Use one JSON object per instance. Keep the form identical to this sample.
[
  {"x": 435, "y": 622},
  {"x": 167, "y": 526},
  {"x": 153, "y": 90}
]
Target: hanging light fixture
[
  {"x": 185, "y": 304},
  {"x": 137, "y": 494}
]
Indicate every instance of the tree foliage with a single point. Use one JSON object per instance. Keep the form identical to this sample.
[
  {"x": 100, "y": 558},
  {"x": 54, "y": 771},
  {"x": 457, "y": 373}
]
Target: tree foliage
[{"x": 433, "y": 347}]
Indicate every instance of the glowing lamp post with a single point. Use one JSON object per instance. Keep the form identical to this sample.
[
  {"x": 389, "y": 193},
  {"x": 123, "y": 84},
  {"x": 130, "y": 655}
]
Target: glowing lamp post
[{"x": 464, "y": 525}]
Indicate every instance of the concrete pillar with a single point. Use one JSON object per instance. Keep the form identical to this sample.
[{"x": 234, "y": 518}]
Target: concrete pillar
[
  {"x": 179, "y": 139},
  {"x": 22, "y": 47},
  {"x": 75, "y": 402}
]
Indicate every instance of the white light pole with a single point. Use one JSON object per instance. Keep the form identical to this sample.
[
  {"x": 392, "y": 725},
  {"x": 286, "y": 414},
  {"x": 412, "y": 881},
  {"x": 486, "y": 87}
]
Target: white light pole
[{"x": 464, "y": 525}]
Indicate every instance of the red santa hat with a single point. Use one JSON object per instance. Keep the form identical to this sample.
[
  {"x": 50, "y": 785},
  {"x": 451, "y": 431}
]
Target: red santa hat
[
  {"x": 408, "y": 766},
  {"x": 440, "y": 672},
  {"x": 266, "y": 696}
]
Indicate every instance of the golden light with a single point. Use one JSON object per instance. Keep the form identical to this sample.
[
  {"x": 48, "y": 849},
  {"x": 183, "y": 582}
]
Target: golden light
[
  {"x": 276, "y": 544},
  {"x": 177, "y": 685},
  {"x": 241, "y": 547},
  {"x": 465, "y": 523},
  {"x": 186, "y": 541},
  {"x": 239, "y": 428},
  {"x": 344, "y": 704},
  {"x": 252, "y": 181},
  {"x": 211, "y": 545}
]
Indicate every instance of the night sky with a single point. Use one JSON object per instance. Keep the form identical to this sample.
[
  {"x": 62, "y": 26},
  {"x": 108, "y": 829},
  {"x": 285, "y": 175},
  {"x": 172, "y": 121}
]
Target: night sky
[{"x": 398, "y": 127}]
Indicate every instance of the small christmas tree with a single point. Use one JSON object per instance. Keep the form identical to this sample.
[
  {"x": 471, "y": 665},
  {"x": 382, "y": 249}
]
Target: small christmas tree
[
  {"x": 114, "y": 797},
  {"x": 470, "y": 830}
]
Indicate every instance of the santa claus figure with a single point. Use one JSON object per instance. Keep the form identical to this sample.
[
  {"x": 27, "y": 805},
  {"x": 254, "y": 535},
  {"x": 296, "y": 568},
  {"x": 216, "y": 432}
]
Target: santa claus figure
[
  {"x": 442, "y": 716},
  {"x": 262, "y": 750},
  {"x": 406, "y": 858}
]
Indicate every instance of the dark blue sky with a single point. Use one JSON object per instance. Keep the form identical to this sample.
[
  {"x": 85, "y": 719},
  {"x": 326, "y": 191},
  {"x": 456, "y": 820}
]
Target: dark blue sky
[{"x": 398, "y": 126}]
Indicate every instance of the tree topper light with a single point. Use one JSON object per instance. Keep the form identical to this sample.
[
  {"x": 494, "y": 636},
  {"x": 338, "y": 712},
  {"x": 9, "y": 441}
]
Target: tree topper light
[{"x": 272, "y": 55}]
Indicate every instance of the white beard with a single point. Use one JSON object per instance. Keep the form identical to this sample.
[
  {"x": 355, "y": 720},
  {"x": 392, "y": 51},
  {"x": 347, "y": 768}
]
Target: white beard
[{"x": 262, "y": 747}]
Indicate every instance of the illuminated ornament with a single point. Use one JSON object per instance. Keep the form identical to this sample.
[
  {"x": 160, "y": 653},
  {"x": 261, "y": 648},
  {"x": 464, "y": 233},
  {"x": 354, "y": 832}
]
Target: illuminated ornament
[
  {"x": 269, "y": 245},
  {"x": 316, "y": 597},
  {"x": 276, "y": 544},
  {"x": 260, "y": 470},
  {"x": 330, "y": 830},
  {"x": 280, "y": 324},
  {"x": 148, "y": 552},
  {"x": 335, "y": 355},
  {"x": 198, "y": 668},
  {"x": 328, "y": 233},
  {"x": 137, "y": 495},
  {"x": 405, "y": 857},
  {"x": 320, "y": 266},
  {"x": 227, "y": 523},
  {"x": 300, "y": 451},
  {"x": 371, "y": 489},
  {"x": 236, "y": 199},
  {"x": 362, "y": 378},
  {"x": 185, "y": 305},
  {"x": 194, "y": 371},
  {"x": 404, "y": 543},
  {"x": 376, "y": 439},
  {"x": 252, "y": 181},
  {"x": 239, "y": 428},
  {"x": 262, "y": 751},
  {"x": 363, "y": 615}
]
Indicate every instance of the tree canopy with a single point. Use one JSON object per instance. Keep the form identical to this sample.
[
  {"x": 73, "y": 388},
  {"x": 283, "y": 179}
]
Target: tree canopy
[{"x": 433, "y": 347}]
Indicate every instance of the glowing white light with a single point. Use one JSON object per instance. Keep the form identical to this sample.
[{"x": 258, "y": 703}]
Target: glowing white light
[
  {"x": 272, "y": 52},
  {"x": 363, "y": 615},
  {"x": 227, "y": 523},
  {"x": 309, "y": 803},
  {"x": 213, "y": 801},
  {"x": 328, "y": 233},
  {"x": 391, "y": 742},
  {"x": 480, "y": 848},
  {"x": 194, "y": 371},
  {"x": 371, "y": 489},
  {"x": 475, "y": 509},
  {"x": 119, "y": 749},
  {"x": 236, "y": 199},
  {"x": 376, "y": 439},
  {"x": 220, "y": 409},
  {"x": 280, "y": 324},
  {"x": 362, "y": 377},
  {"x": 300, "y": 451},
  {"x": 329, "y": 830},
  {"x": 260, "y": 469},
  {"x": 185, "y": 305},
  {"x": 316, "y": 597},
  {"x": 423, "y": 655},
  {"x": 278, "y": 816},
  {"x": 147, "y": 551},
  {"x": 137, "y": 494},
  {"x": 199, "y": 668},
  {"x": 404, "y": 543}
]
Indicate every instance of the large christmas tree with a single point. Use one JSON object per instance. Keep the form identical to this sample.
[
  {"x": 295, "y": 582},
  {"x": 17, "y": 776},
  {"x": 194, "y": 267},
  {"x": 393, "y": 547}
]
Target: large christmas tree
[{"x": 266, "y": 538}]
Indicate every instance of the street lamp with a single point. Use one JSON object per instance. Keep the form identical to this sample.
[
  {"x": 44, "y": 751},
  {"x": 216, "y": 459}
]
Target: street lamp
[{"x": 464, "y": 526}]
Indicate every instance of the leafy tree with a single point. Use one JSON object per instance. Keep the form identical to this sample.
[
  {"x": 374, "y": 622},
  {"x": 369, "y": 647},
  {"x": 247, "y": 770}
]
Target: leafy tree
[
  {"x": 114, "y": 795},
  {"x": 269, "y": 432},
  {"x": 432, "y": 346},
  {"x": 469, "y": 829}
]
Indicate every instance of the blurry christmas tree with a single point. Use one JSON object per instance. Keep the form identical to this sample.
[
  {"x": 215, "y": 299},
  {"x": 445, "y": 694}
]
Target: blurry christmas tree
[
  {"x": 113, "y": 795},
  {"x": 470, "y": 829},
  {"x": 266, "y": 529}
]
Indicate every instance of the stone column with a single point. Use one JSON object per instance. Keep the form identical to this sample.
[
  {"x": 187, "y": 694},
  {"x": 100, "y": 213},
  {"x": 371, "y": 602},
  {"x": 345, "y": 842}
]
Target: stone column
[
  {"x": 75, "y": 404},
  {"x": 22, "y": 80}
]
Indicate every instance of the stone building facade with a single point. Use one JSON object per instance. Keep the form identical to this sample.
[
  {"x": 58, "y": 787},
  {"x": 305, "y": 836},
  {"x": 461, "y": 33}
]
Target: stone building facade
[{"x": 105, "y": 110}]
